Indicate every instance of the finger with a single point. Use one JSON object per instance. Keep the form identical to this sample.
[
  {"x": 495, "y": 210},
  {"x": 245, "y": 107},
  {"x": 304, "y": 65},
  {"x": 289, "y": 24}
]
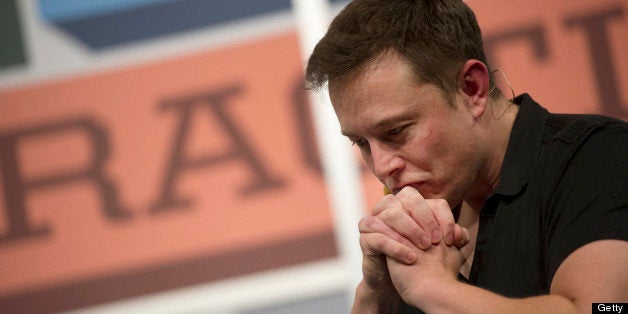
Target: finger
[
  {"x": 375, "y": 244},
  {"x": 388, "y": 201},
  {"x": 401, "y": 222},
  {"x": 376, "y": 225},
  {"x": 445, "y": 218},
  {"x": 416, "y": 205},
  {"x": 461, "y": 236}
]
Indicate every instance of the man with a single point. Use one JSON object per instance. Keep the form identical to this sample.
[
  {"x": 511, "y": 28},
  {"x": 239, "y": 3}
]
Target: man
[{"x": 497, "y": 206}]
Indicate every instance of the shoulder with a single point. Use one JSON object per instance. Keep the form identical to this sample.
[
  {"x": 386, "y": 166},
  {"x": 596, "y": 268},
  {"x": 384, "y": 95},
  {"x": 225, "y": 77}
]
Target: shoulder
[
  {"x": 572, "y": 141},
  {"x": 571, "y": 128}
]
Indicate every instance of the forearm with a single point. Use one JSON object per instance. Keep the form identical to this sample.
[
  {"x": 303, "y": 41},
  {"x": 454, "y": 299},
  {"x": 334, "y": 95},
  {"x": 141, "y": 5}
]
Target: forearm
[
  {"x": 368, "y": 302},
  {"x": 458, "y": 297}
]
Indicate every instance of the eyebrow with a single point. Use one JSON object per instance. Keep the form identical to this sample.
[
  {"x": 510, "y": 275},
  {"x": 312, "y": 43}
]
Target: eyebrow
[
  {"x": 385, "y": 122},
  {"x": 393, "y": 120}
]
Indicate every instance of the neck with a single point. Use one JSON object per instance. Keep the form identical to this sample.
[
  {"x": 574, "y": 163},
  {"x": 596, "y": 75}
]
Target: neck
[
  {"x": 500, "y": 117},
  {"x": 497, "y": 121}
]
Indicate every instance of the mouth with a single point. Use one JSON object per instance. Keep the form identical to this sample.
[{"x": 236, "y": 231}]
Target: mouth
[{"x": 415, "y": 185}]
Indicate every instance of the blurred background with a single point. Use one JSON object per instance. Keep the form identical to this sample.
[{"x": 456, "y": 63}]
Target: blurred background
[{"x": 160, "y": 156}]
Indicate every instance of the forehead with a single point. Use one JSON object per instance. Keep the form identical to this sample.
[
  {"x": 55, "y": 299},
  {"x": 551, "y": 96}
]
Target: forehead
[
  {"x": 380, "y": 90},
  {"x": 388, "y": 75}
]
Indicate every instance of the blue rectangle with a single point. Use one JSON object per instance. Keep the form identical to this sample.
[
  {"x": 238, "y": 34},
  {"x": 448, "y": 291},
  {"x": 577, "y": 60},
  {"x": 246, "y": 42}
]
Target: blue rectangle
[
  {"x": 107, "y": 23},
  {"x": 60, "y": 10}
]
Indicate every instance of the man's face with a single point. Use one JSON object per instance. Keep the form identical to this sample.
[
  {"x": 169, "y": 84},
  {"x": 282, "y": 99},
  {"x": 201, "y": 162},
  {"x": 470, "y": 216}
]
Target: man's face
[{"x": 408, "y": 133}]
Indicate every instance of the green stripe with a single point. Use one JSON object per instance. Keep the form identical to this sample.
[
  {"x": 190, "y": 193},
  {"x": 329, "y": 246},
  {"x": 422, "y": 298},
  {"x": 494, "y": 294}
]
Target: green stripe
[{"x": 12, "y": 47}]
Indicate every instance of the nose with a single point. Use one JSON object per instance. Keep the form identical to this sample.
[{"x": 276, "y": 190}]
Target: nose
[{"x": 386, "y": 161}]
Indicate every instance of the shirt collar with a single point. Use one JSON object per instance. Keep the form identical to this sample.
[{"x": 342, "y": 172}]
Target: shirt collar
[{"x": 523, "y": 146}]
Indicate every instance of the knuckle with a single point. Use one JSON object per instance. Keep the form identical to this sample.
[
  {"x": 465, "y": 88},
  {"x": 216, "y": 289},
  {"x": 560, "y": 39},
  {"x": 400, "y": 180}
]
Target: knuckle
[
  {"x": 396, "y": 250},
  {"x": 362, "y": 242},
  {"x": 431, "y": 223},
  {"x": 388, "y": 198},
  {"x": 363, "y": 237},
  {"x": 366, "y": 224},
  {"x": 369, "y": 244},
  {"x": 385, "y": 202},
  {"x": 408, "y": 190},
  {"x": 450, "y": 225},
  {"x": 369, "y": 240},
  {"x": 378, "y": 242},
  {"x": 415, "y": 229},
  {"x": 438, "y": 205},
  {"x": 390, "y": 214},
  {"x": 408, "y": 196},
  {"x": 442, "y": 203},
  {"x": 362, "y": 223}
]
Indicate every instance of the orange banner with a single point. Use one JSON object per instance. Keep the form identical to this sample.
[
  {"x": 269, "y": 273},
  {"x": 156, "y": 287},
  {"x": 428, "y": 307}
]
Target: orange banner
[
  {"x": 203, "y": 167},
  {"x": 185, "y": 160}
]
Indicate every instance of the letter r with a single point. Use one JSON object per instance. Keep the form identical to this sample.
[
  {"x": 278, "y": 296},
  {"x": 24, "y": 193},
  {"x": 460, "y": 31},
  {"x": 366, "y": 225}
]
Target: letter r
[{"x": 16, "y": 187}]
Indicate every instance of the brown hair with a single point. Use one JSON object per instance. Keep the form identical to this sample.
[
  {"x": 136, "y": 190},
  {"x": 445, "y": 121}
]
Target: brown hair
[{"x": 435, "y": 36}]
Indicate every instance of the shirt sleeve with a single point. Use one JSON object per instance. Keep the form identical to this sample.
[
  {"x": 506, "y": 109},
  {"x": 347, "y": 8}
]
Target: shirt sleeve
[{"x": 590, "y": 202}]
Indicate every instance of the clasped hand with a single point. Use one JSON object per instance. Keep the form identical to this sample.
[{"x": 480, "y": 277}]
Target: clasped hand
[{"x": 408, "y": 243}]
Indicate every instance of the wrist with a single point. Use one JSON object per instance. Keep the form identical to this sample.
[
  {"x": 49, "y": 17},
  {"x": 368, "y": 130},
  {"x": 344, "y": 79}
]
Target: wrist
[
  {"x": 433, "y": 293},
  {"x": 368, "y": 300}
]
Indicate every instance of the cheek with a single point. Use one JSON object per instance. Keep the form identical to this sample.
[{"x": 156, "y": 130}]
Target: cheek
[
  {"x": 426, "y": 149},
  {"x": 368, "y": 161},
  {"x": 435, "y": 143},
  {"x": 443, "y": 151}
]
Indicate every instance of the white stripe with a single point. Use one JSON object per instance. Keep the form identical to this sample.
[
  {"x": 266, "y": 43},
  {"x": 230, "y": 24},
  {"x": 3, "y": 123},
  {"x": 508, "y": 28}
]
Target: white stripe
[
  {"x": 340, "y": 168},
  {"x": 263, "y": 289}
]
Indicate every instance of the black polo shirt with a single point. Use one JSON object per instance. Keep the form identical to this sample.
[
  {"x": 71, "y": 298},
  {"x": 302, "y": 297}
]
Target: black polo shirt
[{"x": 563, "y": 184}]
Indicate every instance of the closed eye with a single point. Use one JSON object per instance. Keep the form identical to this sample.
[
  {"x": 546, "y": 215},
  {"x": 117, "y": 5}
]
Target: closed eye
[
  {"x": 361, "y": 143},
  {"x": 395, "y": 131},
  {"x": 396, "y": 134}
]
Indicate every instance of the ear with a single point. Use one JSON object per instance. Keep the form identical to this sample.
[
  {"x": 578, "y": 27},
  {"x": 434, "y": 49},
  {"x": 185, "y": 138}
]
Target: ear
[{"x": 475, "y": 86}]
